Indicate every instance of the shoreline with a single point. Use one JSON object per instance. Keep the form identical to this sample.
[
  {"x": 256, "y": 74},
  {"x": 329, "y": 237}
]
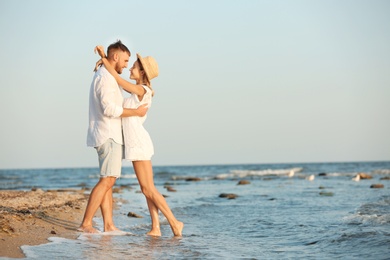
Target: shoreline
[{"x": 31, "y": 217}]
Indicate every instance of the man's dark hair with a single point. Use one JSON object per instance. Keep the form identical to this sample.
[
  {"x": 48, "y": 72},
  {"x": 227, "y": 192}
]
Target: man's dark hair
[{"x": 117, "y": 46}]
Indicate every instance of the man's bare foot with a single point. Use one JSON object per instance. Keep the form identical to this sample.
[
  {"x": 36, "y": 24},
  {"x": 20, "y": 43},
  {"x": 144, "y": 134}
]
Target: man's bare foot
[
  {"x": 88, "y": 229},
  {"x": 177, "y": 230},
  {"x": 154, "y": 232},
  {"x": 111, "y": 228}
]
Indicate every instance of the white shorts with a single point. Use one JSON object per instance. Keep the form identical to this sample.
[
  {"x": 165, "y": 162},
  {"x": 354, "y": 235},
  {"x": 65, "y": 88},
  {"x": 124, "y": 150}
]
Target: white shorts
[{"x": 110, "y": 159}]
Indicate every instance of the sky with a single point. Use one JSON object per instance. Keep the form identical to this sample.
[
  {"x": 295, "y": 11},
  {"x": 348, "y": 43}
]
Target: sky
[{"x": 240, "y": 81}]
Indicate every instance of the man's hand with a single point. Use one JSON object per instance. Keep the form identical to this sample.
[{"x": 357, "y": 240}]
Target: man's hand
[
  {"x": 141, "y": 110},
  {"x": 100, "y": 50}
]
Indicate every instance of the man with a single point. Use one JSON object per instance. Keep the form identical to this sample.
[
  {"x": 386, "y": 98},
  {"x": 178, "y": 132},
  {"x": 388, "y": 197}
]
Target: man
[{"x": 105, "y": 135}]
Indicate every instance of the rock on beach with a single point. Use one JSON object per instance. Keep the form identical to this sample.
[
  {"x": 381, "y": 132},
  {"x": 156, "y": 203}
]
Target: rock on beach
[
  {"x": 193, "y": 179},
  {"x": 364, "y": 176},
  {"x": 134, "y": 215},
  {"x": 243, "y": 182},
  {"x": 170, "y": 189},
  {"x": 377, "y": 186},
  {"x": 228, "y": 195}
]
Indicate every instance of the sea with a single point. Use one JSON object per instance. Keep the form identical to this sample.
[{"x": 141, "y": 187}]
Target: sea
[{"x": 281, "y": 211}]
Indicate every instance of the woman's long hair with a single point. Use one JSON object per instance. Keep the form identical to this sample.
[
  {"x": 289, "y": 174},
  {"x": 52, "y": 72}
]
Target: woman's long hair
[{"x": 144, "y": 80}]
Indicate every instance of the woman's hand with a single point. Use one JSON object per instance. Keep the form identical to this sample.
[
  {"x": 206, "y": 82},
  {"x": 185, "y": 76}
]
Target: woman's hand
[
  {"x": 98, "y": 64},
  {"x": 100, "y": 50}
]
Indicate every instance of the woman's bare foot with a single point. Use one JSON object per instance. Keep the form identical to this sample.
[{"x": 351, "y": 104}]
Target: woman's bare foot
[
  {"x": 88, "y": 229},
  {"x": 154, "y": 232},
  {"x": 177, "y": 230}
]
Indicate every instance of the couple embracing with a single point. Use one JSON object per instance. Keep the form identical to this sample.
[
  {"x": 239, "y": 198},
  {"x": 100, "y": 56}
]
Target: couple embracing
[{"x": 109, "y": 113}]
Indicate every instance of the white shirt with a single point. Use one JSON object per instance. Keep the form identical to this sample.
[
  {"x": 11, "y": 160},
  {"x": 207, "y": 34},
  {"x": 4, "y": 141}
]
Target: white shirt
[
  {"x": 105, "y": 109},
  {"x": 138, "y": 144}
]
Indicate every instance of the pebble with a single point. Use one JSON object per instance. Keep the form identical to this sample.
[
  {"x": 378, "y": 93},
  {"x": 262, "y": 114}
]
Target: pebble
[
  {"x": 328, "y": 194},
  {"x": 364, "y": 176},
  {"x": 228, "y": 195},
  {"x": 193, "y": 179},
  {"x": 117, "y": 190},
  {"x": 377, "y": 186},
  {"x": 169, "y": 188},
  {"x": 133, "y": 215}
]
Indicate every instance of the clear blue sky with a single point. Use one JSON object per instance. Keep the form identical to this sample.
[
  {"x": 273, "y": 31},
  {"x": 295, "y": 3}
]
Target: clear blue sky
[{"x": 240, "y": 81}]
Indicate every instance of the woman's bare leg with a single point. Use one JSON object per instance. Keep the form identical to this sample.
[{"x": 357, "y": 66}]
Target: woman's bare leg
[{"x": 144, "y": 172}]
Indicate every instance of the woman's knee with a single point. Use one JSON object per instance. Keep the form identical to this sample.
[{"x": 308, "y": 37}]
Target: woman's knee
[{"x": 148, "y": 192}]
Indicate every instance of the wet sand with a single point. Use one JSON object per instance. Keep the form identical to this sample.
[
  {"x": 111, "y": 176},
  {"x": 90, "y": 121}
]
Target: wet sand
[{"x": 30, "y": 217}]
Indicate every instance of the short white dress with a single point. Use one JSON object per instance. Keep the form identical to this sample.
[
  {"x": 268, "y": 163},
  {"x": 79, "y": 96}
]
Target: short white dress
[{"x": 138, "y": 145}]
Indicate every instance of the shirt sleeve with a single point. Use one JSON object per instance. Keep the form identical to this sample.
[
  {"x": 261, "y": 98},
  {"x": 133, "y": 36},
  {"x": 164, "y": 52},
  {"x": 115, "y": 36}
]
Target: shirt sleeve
[{"x": 107, "y": 95}]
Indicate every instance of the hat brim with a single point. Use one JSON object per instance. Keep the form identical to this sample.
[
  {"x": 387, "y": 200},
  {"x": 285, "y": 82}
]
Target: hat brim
[{"x": 148, "y": 68}]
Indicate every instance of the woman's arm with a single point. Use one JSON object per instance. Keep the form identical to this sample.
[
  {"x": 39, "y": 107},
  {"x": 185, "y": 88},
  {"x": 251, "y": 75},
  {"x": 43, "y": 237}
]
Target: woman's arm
[
  {"x": 128, "y": 86},
  {"x": 98, "y": 64}
]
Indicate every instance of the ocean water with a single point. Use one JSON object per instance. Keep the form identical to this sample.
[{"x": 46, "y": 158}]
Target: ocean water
[{"x": 287, "y": 211}]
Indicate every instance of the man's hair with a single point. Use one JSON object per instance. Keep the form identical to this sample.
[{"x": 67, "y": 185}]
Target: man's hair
[{"x": 117, "y": 46}]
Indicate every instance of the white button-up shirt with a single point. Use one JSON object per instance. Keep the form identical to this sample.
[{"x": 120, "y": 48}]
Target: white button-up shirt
[{"x": 105, "y": 109}]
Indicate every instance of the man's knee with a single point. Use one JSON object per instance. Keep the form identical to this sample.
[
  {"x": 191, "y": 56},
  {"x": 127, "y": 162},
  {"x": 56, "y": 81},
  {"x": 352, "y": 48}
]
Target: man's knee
[{"x": 107, "y": 182}]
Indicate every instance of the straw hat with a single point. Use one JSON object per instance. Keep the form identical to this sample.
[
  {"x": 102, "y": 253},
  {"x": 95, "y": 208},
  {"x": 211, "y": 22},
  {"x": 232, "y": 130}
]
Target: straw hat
[{"x": 150, "y": 66}]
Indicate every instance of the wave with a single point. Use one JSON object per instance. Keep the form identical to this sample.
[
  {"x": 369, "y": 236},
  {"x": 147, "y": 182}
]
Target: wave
[
  {"x": 269, "y": 172},
  {"x": 372, "y": 213},
  {"x": 382, "y": 171},
  {"x": 241, "y": 174}
]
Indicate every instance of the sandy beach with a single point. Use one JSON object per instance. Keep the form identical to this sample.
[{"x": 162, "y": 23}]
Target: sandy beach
[{"x": 30, "y": 217}]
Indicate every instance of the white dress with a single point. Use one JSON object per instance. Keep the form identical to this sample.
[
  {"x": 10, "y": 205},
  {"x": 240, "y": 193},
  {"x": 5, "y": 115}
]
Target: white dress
[{"x": 138, "y": 145}]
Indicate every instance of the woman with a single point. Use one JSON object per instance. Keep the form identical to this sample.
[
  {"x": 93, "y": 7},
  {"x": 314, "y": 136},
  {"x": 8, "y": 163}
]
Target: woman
[{"x": 138, "y": 145}]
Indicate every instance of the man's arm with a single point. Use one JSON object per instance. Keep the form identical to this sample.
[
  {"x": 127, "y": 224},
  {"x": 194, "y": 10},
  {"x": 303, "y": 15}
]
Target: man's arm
[
  {"x": 109, "y": 108},
  {"x": 106, "y": 96},
  {"x": 140, "y": 111}
]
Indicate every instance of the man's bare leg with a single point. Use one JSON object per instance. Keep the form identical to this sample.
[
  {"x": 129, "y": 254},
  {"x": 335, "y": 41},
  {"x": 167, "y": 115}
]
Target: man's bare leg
[
  {"x": 94, "y": 202},
  {"x": 107, "y": 211},
  {"x": 153, "y": 210}
]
